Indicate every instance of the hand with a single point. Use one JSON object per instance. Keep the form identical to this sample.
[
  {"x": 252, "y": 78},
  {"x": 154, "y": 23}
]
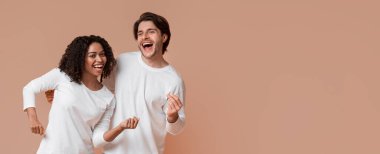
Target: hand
[
  {"x": 174, "y": 105},
  {"x": 130, "y": 123},
  {"x": 49, "y": 96},
  {"x": 36, "y": 127}
]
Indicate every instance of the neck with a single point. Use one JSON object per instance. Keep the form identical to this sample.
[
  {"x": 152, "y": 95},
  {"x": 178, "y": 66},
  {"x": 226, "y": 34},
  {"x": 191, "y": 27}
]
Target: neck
[
  {"x": 91, "y": 82},
  {"x": 156, "y": 61}
]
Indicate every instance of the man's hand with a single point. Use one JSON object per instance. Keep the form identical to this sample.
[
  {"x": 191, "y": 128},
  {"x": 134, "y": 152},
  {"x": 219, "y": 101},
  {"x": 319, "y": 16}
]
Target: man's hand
[
  {"x": 174, "y": 105},
  {"x": 49, "y": 96}
]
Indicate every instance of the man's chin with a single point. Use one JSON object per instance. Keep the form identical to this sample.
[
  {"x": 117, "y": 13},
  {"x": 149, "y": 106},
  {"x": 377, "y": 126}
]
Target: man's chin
[{"x": 147, "y": 54}]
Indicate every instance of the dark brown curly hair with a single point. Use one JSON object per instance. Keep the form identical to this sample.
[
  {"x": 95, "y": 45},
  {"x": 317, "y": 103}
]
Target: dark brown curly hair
[{"x": 72, "y": 61}]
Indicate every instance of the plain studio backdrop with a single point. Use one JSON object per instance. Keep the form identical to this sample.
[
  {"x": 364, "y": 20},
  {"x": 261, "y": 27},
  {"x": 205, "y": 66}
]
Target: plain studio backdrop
[{"x": 262, "y": 77}]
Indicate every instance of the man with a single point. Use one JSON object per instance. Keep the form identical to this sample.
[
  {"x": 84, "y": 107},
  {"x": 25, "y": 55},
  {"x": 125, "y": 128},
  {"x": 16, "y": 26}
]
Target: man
[{"x": 148, "y": 87}]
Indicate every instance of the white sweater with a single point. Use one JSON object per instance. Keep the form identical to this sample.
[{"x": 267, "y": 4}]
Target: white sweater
[
  {"x": 78, "y": 116},
  {"x": 141, "y": 91}
]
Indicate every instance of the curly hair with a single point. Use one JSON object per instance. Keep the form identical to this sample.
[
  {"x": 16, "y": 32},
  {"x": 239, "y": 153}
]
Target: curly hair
[
  {"x": 72, "y": 61},
  {"x": 160, "y": 22}
]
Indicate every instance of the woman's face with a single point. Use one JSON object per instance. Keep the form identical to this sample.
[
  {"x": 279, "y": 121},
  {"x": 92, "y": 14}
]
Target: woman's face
[{"x": 95, "y": 60}]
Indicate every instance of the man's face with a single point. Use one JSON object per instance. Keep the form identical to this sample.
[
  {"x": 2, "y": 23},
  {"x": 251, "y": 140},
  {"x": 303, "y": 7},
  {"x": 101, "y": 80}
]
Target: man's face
[{"x": 150, "y": 40}]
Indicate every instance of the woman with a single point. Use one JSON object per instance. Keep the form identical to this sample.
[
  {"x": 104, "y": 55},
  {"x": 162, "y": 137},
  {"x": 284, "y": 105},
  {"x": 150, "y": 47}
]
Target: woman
[{"x": 82, "y": 107}]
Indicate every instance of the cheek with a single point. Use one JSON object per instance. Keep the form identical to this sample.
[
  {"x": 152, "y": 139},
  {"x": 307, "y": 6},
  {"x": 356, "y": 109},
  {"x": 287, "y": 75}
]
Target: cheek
[{"x": 88, "y": 62}]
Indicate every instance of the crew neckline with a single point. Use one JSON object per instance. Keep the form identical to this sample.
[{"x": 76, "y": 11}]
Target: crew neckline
[
  {"x": 141, "y": 61},
  {"x": 95, "y": 91}
]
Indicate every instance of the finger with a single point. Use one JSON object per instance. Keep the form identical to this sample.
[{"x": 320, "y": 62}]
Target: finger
[
  {"x": 170, "y": 100},
  {"x": 178, "y": 101},
  {"x": 33, "y": 130},
  {"x": 175, "y": 97},
  {"x": 128, "y": 123},
  {"x": 176, "y": 106},
  {"x": 133, "y": 123},
  {"x": 137, "y": 121},
  {"x": 172, "y": 107},
  {"x": 37, "y": 130},
  {"x": 41, "y": 130}
]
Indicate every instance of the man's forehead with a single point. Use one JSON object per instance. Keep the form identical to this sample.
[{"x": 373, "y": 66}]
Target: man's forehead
[{"x": 144, "y": 25}]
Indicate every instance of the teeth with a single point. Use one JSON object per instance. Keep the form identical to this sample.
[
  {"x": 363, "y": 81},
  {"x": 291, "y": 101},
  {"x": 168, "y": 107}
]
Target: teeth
[
  {"x": 146, "y": 44},
  {"x": 98, "y": 66}
]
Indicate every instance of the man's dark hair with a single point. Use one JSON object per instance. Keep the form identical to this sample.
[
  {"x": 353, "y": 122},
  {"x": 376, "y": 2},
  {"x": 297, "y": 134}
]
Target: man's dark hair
[
  {"x": 160, "y": 22},
  {"x": 73, "y": 60}
]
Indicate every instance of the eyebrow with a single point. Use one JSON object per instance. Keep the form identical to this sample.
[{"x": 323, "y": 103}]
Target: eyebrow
[
  {"x": 95, "y": 52},
  {"x": 148, "y": 30}
]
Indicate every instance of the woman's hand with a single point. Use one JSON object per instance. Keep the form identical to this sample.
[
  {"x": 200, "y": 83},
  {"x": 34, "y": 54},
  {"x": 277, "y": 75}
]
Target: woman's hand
[
  {"x": 35, "y": 125},
  {"x": 130, "y": 123}
]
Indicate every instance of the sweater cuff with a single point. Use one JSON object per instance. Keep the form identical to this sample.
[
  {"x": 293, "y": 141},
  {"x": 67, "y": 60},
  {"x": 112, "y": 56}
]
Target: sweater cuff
[
  {"x": 98, "y": 140},
  {"x": 176, "y": 127}
]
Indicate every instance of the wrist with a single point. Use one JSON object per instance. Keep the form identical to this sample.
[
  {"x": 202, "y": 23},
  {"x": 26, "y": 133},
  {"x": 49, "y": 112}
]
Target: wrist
[
  {"x": 173, "y": 118},
  {"x": 120, "y": 128}
]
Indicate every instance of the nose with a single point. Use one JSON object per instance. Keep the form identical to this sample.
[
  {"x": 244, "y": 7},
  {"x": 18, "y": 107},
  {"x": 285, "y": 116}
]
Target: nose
[
  {"x": 145, "y": 36},
  {"x": 98, "y": 58}
]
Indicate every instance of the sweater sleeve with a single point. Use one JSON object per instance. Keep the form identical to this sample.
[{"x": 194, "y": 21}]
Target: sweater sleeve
[
  {"x": 178, "y": 126},
  {"x": 103, "y": 126},
  {"x": 43, "y": 83}
]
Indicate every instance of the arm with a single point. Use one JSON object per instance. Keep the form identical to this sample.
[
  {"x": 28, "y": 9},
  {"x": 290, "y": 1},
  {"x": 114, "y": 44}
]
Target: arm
[
  {"x": 175, "y": 112},
  {"x": 46, "y": 81},
  {"x": 130, "y": 123},
  {"x": 35, "y": 125},
  {"x": 102, "y": 135}
]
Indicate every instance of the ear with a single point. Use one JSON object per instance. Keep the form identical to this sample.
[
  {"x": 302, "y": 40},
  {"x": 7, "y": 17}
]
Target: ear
[{"x": 164, "y": 38}]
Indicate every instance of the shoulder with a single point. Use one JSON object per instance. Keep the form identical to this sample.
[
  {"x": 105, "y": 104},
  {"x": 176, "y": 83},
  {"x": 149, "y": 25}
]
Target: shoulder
[
  {"x": 58, "y": 74},
  {"x": 175, "y": 76},
  {"x": 107, "y": 95},
  {"x": 127, "y": 55},
  {"x": 106, "y": 91}
]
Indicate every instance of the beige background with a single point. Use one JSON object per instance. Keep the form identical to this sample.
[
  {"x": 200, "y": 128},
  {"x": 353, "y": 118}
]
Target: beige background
[{"x": 262, "y": 77}]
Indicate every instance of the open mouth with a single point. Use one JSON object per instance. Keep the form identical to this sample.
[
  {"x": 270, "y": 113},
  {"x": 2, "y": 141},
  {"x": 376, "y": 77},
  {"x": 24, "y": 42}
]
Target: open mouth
[
  {"x": 98, "y": 66},
  {"x": 147, "y": 45}
]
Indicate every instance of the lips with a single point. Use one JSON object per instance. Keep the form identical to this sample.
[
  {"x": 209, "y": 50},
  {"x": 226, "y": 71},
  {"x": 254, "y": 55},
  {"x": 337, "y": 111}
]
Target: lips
[
  {"x": 147, "y": 45},
  {"x": 98, "y": 67}
]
